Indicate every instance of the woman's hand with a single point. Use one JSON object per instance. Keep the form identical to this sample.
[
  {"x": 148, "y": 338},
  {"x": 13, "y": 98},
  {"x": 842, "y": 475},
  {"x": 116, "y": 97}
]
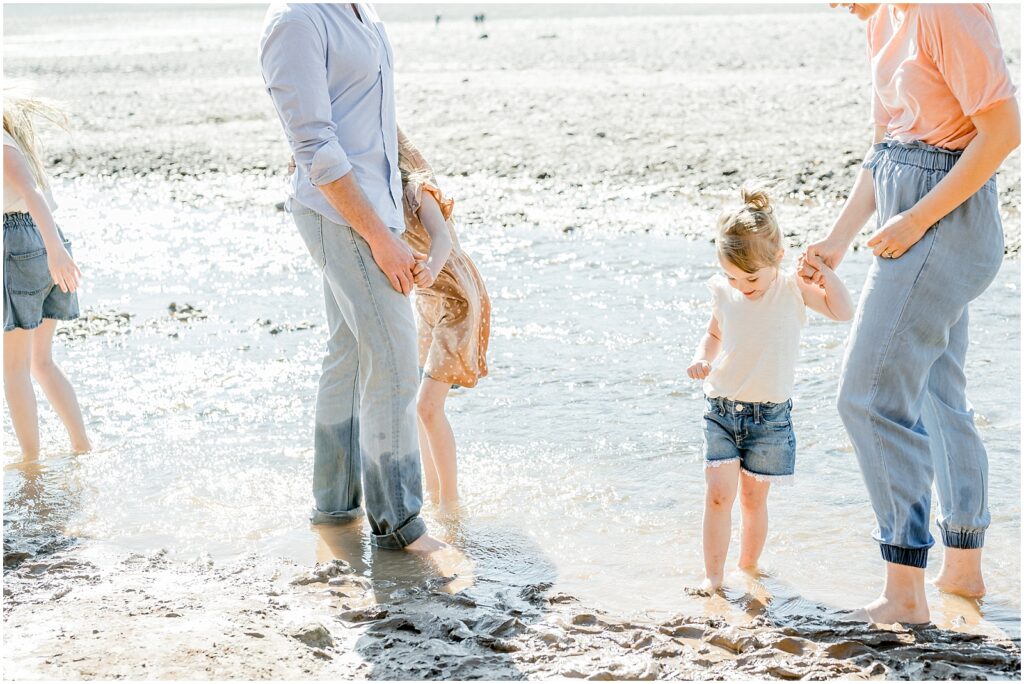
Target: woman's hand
[
  {"x": 63, "y": 269},
  {"x": 898, "y": 235},
  {"x": 829, "y": 251},
  {"x": 699, "y": 370}
]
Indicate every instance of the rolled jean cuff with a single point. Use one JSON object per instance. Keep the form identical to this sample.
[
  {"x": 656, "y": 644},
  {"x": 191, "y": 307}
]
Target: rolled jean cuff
[
  {"x": 318, "y": 517},
  {"x": 412, "y": 530},
  {"x": 917, "y": 558},
  {"x": 964, "y": 539}
]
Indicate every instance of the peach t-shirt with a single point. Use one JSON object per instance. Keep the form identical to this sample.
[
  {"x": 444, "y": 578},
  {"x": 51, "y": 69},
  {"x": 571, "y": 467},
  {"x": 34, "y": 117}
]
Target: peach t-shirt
[{"x": 932, "y": 68}]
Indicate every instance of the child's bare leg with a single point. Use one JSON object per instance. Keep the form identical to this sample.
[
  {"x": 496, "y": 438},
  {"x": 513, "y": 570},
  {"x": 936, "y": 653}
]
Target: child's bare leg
[
  {"x": 21, "y": 398},
  {"x": 430, "y": 483},
  {"x": 430, "y": 407},
  {"x": 721, "y": 494},
  {"x": 55, "y": 385},
  {"x": 754, "y": 504}
]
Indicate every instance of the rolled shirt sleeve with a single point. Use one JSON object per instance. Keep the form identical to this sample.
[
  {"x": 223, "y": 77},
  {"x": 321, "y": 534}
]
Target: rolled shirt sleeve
[{"x": 293, "y": 59}]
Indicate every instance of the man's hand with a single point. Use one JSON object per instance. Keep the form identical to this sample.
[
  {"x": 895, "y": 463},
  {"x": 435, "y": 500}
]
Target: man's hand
[
  {"x": 396, "y": 259},
  {"x": 699, "y": 370}
]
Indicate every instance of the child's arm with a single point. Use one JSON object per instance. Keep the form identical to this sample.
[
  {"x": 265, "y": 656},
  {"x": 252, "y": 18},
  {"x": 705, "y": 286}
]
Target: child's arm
[
  {"x": 706, "y": 352},
  {"x": 830, "y": 298},
  {"x": 429, "y": 213},
  {"x": 62, "y": 267}
]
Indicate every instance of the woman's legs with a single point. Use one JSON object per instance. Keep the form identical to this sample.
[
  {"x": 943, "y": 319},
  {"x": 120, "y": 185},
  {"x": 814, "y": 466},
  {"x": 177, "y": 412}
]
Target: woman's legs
[
  {"x": 440, "y": 439},
  {"x": 721, "y": 494},
  {"x": 21, "y": 398},
  {"x": 903, "y": 599},
  {"x": 55, "y": 385},
  {"x": 754, "y": 504}
]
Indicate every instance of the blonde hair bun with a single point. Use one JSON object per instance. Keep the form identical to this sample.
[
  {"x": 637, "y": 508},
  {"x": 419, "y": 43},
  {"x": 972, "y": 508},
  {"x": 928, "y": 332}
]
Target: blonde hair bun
[{"x": 756, "y": 198}]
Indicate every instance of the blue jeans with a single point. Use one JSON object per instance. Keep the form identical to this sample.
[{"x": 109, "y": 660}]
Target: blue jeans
[
  {"x": 757, "y": 434},
  {"x": 365, "y": 446},
  {"x": 902, "y": 395}
]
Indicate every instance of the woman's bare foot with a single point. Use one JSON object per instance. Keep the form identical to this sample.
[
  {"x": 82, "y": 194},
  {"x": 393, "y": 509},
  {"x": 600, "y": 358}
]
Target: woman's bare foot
[
  {"x": 961, "y": 573},
  {"x": 426, "y": 544},
  {"x": 885, "y": 611}
]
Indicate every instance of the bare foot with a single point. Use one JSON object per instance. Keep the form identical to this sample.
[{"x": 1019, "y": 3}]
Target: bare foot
[
  {"x": 706, "y": 588},
  {"x": 883, "y": 611},
  {"x": 961, "y": 573},
  {"x": 426, "y": 544},
  {"x": 82, "y": 448}
]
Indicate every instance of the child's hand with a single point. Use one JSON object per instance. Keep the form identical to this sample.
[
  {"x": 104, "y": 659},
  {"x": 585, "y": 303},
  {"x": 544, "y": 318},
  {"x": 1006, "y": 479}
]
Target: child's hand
[
  {"x": 422, "y": 274},
  {"x": 63, "y": 268},
  {"x": 699, "y": 370}
]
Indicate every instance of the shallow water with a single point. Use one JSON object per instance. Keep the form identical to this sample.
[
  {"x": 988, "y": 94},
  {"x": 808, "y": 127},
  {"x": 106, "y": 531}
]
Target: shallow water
[{"x": 580, "y": 456}]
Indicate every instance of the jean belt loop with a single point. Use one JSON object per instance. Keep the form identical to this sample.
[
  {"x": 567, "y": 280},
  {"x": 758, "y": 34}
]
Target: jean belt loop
[
  {"x": 757, "y": 413},
  {"x": 721, "y": 405}
]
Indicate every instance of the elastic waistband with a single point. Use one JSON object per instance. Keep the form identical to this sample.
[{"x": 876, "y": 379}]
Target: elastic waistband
[
  {"x": 918, "y": 154},
  {"x": 726, "y": 405},
  {"x": 18, "y": 219}
]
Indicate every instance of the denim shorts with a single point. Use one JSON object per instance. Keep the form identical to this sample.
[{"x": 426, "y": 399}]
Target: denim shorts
[
  {"x": 30, "y": 294},
  {"x": 757, "y": 434}
]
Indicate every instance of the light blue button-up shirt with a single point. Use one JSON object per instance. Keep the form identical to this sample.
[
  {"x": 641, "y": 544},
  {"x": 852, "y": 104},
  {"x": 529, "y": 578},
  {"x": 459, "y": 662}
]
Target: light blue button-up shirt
[{"x": 331, "y": 78}]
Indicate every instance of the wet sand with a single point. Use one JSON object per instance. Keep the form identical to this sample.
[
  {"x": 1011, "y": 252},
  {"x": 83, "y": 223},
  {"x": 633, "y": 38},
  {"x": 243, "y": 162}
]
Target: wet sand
[{"x": 639, "y": 141}]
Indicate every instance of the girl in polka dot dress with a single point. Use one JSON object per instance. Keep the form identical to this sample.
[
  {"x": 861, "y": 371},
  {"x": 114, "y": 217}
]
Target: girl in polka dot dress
[{"x": 452, "y": 319}]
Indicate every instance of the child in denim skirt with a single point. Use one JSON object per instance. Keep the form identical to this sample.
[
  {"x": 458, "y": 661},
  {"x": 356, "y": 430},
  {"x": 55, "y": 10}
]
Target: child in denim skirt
[
  {"x": 40, "y": 280},
  {"x": 747, "y": 360}
]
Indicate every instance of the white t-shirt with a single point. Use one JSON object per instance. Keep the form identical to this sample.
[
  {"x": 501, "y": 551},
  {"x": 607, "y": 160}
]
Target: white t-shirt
[
  {"x": 760, "y": 340},
  {"x": 13, "y": 200}
]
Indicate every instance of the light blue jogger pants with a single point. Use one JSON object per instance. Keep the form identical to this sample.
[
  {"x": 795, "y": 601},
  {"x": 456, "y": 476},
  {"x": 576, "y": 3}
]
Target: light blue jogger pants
[{"x": 902, "y": 395}]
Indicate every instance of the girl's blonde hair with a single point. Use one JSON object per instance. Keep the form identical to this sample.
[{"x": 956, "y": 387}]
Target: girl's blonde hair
[
  {"x": 20, "y": 113},
  {"x": 749, "y": 237},
  {"x": 411, "y": 164}
]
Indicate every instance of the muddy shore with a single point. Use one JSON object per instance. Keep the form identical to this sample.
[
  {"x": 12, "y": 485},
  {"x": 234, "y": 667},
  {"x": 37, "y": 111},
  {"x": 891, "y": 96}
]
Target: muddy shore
[{"x": 585, "y": 126}]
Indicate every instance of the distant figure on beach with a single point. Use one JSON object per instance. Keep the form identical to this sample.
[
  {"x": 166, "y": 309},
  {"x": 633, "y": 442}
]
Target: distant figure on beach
[
  {"x": 329, "y": 70},
  {"x": 945, "y": 118},
  {"x": 453, "y": 317},
  {"x": 40, "y": 279},
  {"x": 747, "y": 360},
  {"x": 437, "y": 20}
]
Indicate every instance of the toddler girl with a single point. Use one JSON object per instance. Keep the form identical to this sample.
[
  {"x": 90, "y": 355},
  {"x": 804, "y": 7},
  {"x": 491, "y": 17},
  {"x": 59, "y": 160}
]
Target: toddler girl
[
  {"x": 40, "y": 279},
  {"x": 747, "y": 360},
  {"x": 452, "y": 319}
]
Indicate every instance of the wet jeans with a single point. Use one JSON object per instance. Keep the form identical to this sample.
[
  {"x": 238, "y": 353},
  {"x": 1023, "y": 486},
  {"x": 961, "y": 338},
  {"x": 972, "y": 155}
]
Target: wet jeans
[
  {"x": 365, "y": 446},
  {"x": 902, "y": 396}
]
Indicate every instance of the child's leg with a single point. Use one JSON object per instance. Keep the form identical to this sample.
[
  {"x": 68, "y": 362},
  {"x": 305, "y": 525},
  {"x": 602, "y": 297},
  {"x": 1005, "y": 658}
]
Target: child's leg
[
  {"x": 721, "y": 494},
  {"x": 58, "y": 390},
  {"x": 430, "y": 408},
  {"x": 430, "y": 482},
  {"x": 21, "y": 398},
  {"x": 754, "y": 504}
]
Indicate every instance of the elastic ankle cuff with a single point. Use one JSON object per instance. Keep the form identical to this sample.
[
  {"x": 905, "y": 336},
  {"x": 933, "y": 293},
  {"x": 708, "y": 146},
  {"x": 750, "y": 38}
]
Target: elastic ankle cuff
[
  {"x": 917, "y": 558},
  {"x": 964, "y": 539}
]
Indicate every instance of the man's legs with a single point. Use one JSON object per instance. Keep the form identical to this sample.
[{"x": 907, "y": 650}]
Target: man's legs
[{"x": 384, "y": 335}]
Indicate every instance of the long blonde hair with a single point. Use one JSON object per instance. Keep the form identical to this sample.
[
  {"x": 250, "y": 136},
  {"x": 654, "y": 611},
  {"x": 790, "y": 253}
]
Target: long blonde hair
[
  {"x": 749, "y": 237},
  {"x": 21, "y": 110}
]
